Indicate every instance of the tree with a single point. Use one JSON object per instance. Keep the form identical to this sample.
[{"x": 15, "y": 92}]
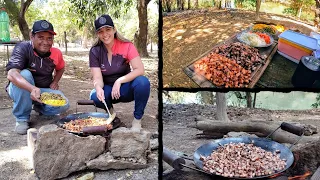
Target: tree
[
  {"x": 297, "y": 6},
  {"x": 249, "y": 99},
  {"x": 180, "y": 4},
  {"x": 91, "y": 9},
  {"x": 206, "y": 97},
  {"x": 18, "y": 15},
  {"x": 141, "y": 36},
  {"x": 196, "y": 4},
  {"x": 218, "y": 4},
  {"x": 189, "y": 4},
  {"x": 167, "y": 5},
  {"x": 221, "y": 107},
  {"x": 258, "y": 4}
]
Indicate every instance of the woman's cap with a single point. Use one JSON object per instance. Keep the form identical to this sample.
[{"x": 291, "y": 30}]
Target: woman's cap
[
  {"x": 42, "y": 25},
  {"x": 103, "y": 21}
]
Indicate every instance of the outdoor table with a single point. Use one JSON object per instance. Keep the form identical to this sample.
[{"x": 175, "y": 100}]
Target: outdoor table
[
  {"x": 6, "y": 58},
  {"x": 255, "y": 76}
]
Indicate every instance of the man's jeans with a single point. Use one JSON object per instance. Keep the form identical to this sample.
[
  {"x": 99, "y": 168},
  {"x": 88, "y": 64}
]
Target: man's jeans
[
  {"x": 22, "y": 102},
  {"x": 137, "y": 90}
]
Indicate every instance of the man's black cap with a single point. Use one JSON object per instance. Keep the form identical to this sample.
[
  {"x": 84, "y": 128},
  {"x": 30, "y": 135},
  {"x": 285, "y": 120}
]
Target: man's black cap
[
  {"x": 103, "y": 21},
  {"x": 42, "y": 25}
]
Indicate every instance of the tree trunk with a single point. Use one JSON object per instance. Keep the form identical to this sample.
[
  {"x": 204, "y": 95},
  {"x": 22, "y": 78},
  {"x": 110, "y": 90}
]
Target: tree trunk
[
  {"x": 141, "y": 38},
  {"x": 249, "y": 99},
  {"x": 182, "y": 4},
  {"x": 167, "y": 4},
  {"x": 261, "y": 128},
  {"x": 254, "y": 100},
  {"x": 179, "y": 4},
  {"x": 66, "y": 42},
  {"x": 206, "y": 97},
  {"x": 222, "y": 107},
  {"x": 151, "y": 45},
  {"x": 258, "y": 4},
  {"x": 218, "y": 4},
  {"x": 23, "y": 25},
  {"x": 189, "y": 4},
  {"x": 300, "y": 11},
  {"x": 85, "y": 36},
  {"x": 196, "y": 4}
]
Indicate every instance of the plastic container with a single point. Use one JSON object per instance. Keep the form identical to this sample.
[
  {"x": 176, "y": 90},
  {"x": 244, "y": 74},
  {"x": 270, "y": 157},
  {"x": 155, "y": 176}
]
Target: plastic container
[
  {"x": 4, "y": 26},
  {"x": 289, "y": 57},
  {"x": 306, "y": 73},
  {"x": 296, "y": 45}
]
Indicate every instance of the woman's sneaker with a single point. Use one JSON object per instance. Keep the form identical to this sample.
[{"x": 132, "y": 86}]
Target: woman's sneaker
[{"x": 136, "y": 125}]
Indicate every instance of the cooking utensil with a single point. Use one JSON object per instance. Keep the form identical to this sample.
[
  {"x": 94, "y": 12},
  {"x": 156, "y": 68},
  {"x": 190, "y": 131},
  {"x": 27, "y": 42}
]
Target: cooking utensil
[
  {"x": 111, "y": 117},
  {"x": 264, "y": 143},
  {"x": 89, "y": 130},
  {"x": 93, "y": 129},
  {"x": 316, "y": 175}
]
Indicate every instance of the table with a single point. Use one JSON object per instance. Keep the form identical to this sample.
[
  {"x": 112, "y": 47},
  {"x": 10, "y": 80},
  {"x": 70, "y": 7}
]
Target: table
[
  {"x": 7, "y": 44},
  {"x": 255, "y": 76}
]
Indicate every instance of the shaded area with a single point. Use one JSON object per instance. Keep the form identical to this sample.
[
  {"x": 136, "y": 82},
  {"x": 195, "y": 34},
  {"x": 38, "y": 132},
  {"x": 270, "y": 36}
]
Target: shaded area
[{"x": 278, "y": 73}]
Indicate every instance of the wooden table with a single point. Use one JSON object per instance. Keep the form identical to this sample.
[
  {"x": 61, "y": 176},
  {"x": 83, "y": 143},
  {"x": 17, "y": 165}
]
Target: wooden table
[{"x": 255, "y": 76}]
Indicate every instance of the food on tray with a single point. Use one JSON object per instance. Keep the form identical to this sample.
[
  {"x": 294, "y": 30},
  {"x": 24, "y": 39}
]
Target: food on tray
[
  {"x": 222, "y": 71},
  {"x": 246, "y": 56},
  {"x": 265, "y": 37},
  {"x": 280, "y": 28},
  {"x": 52, "y": 99},
  {"x": 243, "y": 160},
  {"x": 264, "y": 28},
  {"x": 79, "y": 124},
  {"x": 255, "y": 39}
]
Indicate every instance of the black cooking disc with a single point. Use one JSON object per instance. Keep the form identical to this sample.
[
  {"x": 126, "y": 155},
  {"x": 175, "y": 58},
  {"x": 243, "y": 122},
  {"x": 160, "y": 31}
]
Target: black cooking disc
[
  {"x": 78, "y": 116},
  {"x": 268, "y": 145}
]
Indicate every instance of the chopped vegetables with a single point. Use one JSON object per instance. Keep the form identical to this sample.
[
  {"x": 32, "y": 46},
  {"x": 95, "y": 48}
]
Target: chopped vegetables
[
  {"x": 255, "y": 39},
  {"x": 264, "y": 28},
  {"x": 265, "y": 37}
]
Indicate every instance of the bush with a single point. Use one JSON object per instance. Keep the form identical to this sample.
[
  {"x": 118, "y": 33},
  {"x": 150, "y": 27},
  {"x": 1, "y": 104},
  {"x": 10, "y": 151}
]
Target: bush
[
  {"x": 290, "y": 11},
  {"x": 246, "y": 4}
]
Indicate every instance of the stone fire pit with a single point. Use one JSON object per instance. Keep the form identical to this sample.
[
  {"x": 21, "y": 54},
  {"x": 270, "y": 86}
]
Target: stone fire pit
[{"x": 57, "y": 153}]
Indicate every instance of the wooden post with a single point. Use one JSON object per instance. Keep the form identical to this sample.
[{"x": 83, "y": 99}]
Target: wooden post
[{"x": 65, "y": 41}]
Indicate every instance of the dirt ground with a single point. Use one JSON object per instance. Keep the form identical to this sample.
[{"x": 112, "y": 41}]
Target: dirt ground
[
  {"x": 180, "y": 138},
  {"x": 76, "y": 85},
  {"x": 189, "y": 34}
]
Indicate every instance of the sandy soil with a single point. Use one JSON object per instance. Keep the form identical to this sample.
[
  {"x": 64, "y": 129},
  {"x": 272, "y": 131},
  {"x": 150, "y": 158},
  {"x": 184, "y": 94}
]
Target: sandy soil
[
  {"x": 180, "y": 137},
  {"x": 189, "y": 34},
  {"x": 76, "y": 85}
]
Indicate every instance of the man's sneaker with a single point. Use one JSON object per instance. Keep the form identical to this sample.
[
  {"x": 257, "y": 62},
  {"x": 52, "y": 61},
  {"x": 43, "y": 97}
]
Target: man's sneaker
[{"x": 22, "y": 127}]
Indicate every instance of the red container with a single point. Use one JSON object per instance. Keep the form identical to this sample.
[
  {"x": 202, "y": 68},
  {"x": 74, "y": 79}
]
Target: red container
[{"x": 296, "y": 45}]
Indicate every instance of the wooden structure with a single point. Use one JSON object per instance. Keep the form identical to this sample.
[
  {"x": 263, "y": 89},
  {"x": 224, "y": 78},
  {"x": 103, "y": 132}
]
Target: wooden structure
[{"x": 255, "y": 76}]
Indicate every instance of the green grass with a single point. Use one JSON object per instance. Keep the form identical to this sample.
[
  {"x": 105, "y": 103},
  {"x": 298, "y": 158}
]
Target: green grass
[{"x": 271, "y": 7}]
